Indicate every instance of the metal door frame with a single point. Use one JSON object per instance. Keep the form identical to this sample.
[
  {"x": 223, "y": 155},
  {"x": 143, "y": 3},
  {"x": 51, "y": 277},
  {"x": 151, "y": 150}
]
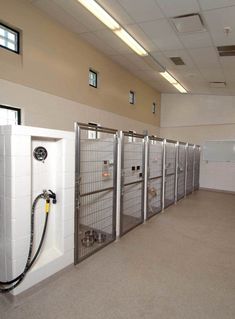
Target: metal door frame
[
  {"x": 89, "y": 127},
  {"x": 165, "y": 175},
  {"x": 133, "y": 135},
  {"x": 197, "y": 148},
  {"x": 185, "y": 167},
  {"x": 147, "y": 174},
  {"x": 186, "y": 175}
]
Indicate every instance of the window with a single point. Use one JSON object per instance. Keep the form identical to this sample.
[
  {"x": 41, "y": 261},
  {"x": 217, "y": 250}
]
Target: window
[
  {"x": 154, "y": 108},
  {"x": 9, "y": 38},
  {"x": 9, "y": 115},
  {"x": 93, "y": 77},
  {"x": 132, "y": 97}
]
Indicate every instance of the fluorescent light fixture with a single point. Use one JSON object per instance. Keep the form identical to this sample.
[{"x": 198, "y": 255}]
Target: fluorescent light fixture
[
  {"x": 180, "y": 88},
  {"x": 168, "y": 77},
  {"x": 131, "y": 42},
  {"x": 173, "y": 81},
  {"x": 100, "y": 13},
  {"x": 113, "y": 25}
]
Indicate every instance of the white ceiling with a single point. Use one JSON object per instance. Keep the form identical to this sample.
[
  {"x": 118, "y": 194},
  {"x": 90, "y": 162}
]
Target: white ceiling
[{"x": 149, "y": 22}]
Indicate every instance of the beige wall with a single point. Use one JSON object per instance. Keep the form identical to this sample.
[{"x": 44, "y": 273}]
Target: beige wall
[
  {"x": 42, "y": 109},
  {"x": 56, "y": 61}
]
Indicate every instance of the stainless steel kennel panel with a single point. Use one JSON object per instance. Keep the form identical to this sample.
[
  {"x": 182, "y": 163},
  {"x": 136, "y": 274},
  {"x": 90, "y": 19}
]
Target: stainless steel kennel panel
[
  {"x": 155, "y": 175},
  {"x": 132, "y": 181},
  {"x": 181, "y": 170},
  {"x": 170, "y": 172},
  {"x": 197, "y": 155},
  {"x": 190, "y": 172},
  {"x": 95, "y": 189}
]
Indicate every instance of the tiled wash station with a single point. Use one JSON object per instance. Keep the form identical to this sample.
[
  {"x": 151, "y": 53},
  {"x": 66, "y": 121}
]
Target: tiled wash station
[{"x": 106, "y": 182}]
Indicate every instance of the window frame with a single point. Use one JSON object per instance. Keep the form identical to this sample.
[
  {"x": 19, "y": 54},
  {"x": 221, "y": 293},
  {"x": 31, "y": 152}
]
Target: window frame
[
  {"x": 132, "y": 97},
  {"x": 96, "y": 76},
  {"x": 17, "y": 51},
  {"x": 18, "y": 110}
]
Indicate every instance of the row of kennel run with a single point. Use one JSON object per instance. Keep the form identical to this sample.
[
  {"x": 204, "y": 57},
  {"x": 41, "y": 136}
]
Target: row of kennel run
[{"x": 124, "y": 178}]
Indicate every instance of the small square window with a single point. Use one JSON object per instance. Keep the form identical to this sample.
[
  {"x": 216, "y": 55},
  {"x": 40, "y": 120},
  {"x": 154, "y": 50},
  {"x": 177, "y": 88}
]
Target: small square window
[
  {"x": 9, "y": 38},
  {"x": 154, "y": 108},
  {"x": 9, "y": 115},
  {"x": 93, "y": 78},
  {"x": 132, "y": 97}
]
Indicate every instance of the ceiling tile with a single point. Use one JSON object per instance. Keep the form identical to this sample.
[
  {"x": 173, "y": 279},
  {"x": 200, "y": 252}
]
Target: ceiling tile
[
  {"x": 138, "y": 62},
  {"x": 214, "y": 4},
  {"x": 213, "y": 75},
  {"x": 173, "y": 8},
  {"x": 162, "y": 59},
  {"x": 217, "y": 20},
  {"x": 142, "y": 38},
  {"x": 161, "y": 33},
  {"x": 227, "y": 62},
  {"x": 142, "y": 10},
  {"x": 196, "y": 40},
  {"x": 116, "y": 10},
  {"x": 182, "y": 54},
  {"x": 205, "y": 57}
]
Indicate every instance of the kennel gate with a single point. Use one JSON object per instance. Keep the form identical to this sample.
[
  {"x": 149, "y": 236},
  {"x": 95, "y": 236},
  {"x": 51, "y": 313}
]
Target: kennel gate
[
  {"x": 170, "y": 172},
  {"x": 132, "y": 181},
  {"x": 197, "y": 153},
  {"x": 181, "y": 170},
  {"x": 154, "y": 175},
  {"x": 190, "y": 168},
  {"x": 95, "y": 188}
]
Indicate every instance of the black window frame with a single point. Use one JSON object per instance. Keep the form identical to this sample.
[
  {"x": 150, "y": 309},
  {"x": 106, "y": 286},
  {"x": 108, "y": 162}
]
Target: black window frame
[
  {"x": 96, "y": 76},
  {"x": 132, "y": 97},
  {"x": 17, "y": 51},
  {"x": 18, "y": 110}
]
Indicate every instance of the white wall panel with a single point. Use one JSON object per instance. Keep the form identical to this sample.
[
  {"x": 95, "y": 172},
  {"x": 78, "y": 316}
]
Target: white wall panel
[{"x": 199, "y": 118}]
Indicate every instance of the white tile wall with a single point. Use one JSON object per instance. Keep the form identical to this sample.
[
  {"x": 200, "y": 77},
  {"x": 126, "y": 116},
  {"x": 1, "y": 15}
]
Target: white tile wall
[{"x": 21, "y": 179}]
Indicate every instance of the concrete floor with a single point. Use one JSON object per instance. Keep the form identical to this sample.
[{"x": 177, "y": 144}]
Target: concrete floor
[{"x": 181, "y": 264}]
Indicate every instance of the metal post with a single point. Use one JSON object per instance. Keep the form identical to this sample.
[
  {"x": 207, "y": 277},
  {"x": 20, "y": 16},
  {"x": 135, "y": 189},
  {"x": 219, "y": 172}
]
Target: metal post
[{"x": 164, "y": 174}]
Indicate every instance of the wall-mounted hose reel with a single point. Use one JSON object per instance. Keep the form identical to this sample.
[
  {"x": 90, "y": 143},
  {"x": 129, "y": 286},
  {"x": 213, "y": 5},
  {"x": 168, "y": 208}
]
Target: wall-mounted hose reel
[{"x": 7, "y": 286}]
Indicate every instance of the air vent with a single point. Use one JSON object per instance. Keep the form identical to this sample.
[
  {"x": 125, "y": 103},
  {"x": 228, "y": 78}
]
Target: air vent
[
  {"x": 177, "y": 60},
  {"x": 188, "y": 23},
  {"x": 217, "y": 85},
  {"x": 226, "y": 50}
]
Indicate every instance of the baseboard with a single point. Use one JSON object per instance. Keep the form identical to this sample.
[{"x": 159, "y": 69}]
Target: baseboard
[
  {"x": 18, "y": 299},
  {"x": 217, "y": 190}
]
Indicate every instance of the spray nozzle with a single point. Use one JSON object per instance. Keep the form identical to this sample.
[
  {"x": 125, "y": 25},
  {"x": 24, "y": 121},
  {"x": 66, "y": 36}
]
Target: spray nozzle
[{"x": 50, "y": 195}]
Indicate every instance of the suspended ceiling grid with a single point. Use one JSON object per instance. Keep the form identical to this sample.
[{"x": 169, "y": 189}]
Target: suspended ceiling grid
[{"x": 150, "y": 22}]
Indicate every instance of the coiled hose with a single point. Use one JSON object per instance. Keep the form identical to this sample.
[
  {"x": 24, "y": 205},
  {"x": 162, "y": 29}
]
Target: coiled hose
[{"x": 16, "y": 281}]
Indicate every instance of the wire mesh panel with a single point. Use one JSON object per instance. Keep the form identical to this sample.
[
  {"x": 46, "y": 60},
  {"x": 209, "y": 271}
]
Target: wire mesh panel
[
  {"x": 190, "y": 161},
  {"x": 132, "y": 198},
  {"x": 181, "y": 170},
  {"x": 170, "y": 173},
  {"x": 197, "y": 154},
  {"x": 95, "y": 198},
  {"x": 155, "y": 170}
]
